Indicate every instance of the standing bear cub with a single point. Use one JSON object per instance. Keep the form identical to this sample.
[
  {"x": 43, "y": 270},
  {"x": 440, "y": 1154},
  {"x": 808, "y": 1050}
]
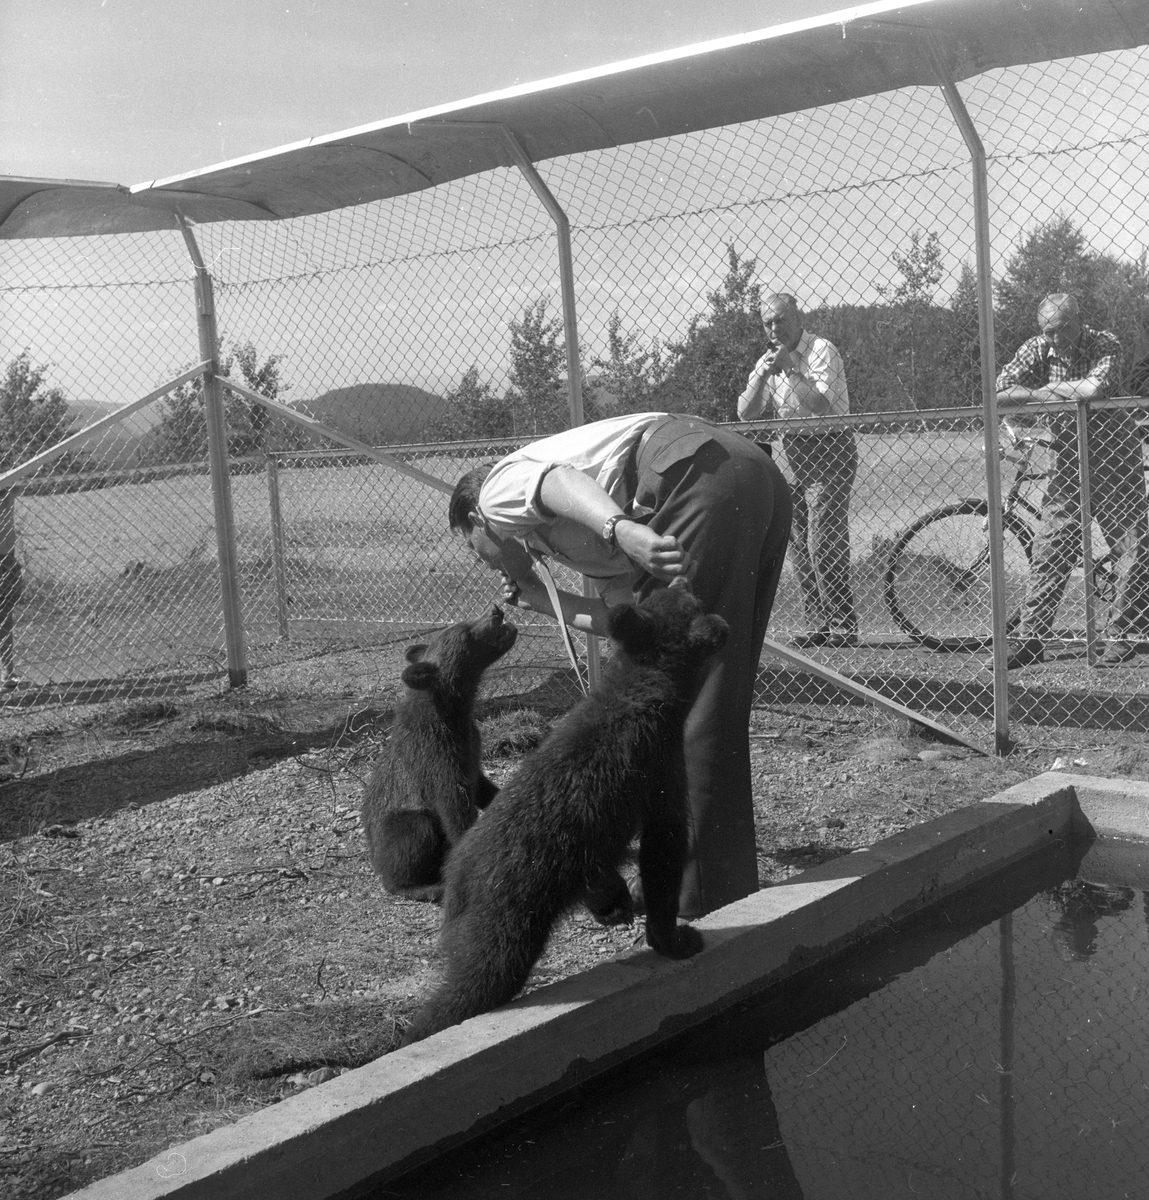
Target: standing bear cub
[
  {"x": 613, "y": 767},
  {"x": 427, "y": 786}
]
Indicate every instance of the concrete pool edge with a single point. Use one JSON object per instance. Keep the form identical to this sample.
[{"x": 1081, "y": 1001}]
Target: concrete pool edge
[{"x": 391, "y": 1114}]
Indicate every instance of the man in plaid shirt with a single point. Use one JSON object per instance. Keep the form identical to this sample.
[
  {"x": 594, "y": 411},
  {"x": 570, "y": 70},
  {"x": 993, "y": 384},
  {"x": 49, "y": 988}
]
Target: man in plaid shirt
[{"x": 1071, "y": 361}]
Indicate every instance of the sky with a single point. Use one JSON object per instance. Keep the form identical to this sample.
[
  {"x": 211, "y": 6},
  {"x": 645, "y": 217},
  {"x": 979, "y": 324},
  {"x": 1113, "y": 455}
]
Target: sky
[{"x": 126, "y": 91}]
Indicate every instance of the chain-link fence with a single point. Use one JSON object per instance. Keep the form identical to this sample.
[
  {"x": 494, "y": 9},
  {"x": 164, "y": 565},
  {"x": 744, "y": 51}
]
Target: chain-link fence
[{"x": 431, "y": 326}]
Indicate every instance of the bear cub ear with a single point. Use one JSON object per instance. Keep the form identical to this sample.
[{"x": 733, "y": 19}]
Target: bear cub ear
[
  {"x": 422, "y": 676},
  {"x": 416, "y": 652},
  {"x": 708, "y": 632},
  {"x": 633, "y": 630}
]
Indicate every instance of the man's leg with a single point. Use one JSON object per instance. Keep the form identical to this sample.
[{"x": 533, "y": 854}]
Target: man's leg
[
  {"x": 1120, "y": 507},
  {"x": 730, "y": 507},
  {"x": 837, "y": 467},
  {"x": 1056, "y": 549},
  {"x": 801, "y": 557}
]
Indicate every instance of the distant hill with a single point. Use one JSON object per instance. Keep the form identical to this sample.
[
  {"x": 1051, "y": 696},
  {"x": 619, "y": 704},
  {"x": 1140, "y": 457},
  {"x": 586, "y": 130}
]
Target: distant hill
[
  {"x": 378, "y": 413},
  {"x": 117, "y": 446}
]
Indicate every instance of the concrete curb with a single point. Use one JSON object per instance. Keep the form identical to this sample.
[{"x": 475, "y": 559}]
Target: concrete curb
[{"x": 404, "y": 1108}]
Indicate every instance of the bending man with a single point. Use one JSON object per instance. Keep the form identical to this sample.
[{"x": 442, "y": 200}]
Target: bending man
[
  {"x": 632, "y": 502},
  {"x": 1069, "y": 360}
]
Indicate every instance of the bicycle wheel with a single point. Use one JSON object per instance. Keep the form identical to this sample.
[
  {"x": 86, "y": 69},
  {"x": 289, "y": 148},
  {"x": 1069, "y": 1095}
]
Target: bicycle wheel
[{"x": 937, "y": 576}]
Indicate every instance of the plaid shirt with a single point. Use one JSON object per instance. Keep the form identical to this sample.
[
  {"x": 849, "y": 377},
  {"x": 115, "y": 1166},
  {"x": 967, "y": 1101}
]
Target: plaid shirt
[{"x": 1037, "y": 362}]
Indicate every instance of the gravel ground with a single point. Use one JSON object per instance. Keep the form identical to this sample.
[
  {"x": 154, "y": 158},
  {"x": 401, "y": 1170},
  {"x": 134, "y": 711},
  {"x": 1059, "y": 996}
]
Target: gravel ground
[{"x": 189, "y": 930}]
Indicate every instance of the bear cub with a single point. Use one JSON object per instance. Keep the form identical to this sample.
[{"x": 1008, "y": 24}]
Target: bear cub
[
  {"x": 612, "y": 768},
  {"x": 427, "y": 787}
]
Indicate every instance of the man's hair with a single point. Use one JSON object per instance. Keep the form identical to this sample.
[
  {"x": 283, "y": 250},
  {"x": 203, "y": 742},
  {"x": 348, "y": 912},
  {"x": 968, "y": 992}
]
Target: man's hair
[
  {"x": 780, "y": 300},
  {"x": 1057, "y": 304},
  {"x": 465, "y": 498}
]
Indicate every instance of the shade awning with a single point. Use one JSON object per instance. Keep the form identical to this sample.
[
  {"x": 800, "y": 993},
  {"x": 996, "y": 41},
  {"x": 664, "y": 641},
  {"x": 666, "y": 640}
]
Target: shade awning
[{"x": 825, "y": 57}]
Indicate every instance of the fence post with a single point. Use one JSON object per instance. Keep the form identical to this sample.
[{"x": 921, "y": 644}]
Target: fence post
[
  {"x": 570, "y": 331},
  {"x": 973, "y": 143},
  {"x": 566, "y": 269},
  {"x": 279, "y": 569},
  {"x": 1086, "y": 530},
  {"x": 217, "y": 459},
  {"x": 522, "y": 160}
]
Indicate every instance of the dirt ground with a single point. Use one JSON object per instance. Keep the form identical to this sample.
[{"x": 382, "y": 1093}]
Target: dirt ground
[{"x": 189, "y": 930}]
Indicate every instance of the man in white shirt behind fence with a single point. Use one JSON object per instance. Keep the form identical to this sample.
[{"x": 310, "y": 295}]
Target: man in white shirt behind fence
[{"x": 801, "y": 376}]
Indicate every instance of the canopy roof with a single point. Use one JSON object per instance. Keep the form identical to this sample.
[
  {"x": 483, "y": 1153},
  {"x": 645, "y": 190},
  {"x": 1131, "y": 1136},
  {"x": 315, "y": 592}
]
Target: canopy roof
[{"x": 827, "y": 55}]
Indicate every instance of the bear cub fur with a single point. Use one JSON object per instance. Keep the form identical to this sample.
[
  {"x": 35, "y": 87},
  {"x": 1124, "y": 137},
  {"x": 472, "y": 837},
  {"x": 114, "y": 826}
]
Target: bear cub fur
[
  {"x": 427, "y": 787},
  {"x": 612, "y": 768}
]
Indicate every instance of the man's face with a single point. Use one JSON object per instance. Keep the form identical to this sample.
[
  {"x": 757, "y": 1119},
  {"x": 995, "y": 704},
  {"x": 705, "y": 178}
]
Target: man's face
[
  {"x": 480, "y": 540},
  {"x": 782, "y": 323},
  {"x": 1061, "y": 331}
]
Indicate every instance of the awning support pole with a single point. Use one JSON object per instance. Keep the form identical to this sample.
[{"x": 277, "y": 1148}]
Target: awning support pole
[
  {"x": 570, "y": 330},
  {"x": 973, "y": 142}
]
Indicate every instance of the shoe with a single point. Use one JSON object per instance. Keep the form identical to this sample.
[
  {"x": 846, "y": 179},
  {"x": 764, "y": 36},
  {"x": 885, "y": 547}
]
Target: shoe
[
  {"x": 1117, "y": 652},
  {"x": 834, "y": 639},
  {"x": 1021, "y": 652}
]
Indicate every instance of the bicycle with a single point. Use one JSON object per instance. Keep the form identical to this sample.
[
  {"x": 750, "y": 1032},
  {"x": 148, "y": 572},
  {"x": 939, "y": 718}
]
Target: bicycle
[{"x": 936, "y": 578}]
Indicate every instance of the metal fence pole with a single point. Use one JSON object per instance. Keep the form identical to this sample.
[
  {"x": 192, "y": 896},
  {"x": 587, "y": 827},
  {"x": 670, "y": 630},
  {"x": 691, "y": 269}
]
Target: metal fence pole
[
  {"x": 973, "y": 143},
  {"x": 1086, "y": 529},
  {"x": 566, "y": 270},
  {"x": 570, "y": 331},
  {"x": 278, "y": 566},
  {"x": 220, "y": 474}
]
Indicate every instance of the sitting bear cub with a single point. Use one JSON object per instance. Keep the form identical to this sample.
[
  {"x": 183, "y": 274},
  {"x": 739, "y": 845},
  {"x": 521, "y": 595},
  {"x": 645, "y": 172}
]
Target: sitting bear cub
[
  {"x": 427, "y": 787},
  {"x": 613, "y": 767}
]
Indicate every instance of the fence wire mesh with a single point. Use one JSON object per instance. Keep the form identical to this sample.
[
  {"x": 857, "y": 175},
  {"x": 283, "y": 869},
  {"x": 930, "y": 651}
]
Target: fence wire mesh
[{"x": 431, "y": 325}]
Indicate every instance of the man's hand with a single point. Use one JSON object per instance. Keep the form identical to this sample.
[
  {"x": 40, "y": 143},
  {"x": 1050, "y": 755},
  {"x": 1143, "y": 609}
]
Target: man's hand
[
  {"x": 657, "y": 554},
  {"x": 510, "y": 591},
  {"x": 780, "y": 361}
]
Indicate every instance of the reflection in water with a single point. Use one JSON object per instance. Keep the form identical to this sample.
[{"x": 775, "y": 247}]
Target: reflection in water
[
  {"x": 955, "y": 1059},
  {"x": 705, "y": 1129},
  {"x": 1005, "y": 1084},
  {"x": 1081, "y": 904}
]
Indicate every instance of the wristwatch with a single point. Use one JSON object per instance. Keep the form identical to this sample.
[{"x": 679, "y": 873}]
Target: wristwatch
[{"x": 609, "y": 529}]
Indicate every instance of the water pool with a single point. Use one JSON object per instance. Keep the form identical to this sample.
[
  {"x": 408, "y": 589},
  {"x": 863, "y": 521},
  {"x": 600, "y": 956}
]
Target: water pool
[{"x": 996, "y": 1045}]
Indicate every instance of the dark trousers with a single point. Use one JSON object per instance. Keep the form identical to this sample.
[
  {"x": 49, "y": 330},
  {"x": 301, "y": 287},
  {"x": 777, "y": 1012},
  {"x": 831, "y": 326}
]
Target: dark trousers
[
  {"x": 823, "y": 466},
  {"x": 1118, "y": 505},
  {"x": 729, "y": 505}
]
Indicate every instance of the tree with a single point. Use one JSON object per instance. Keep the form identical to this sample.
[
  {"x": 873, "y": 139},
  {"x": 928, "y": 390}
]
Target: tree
[
  {"x": 32, "y": 416},
  {"x": 1051, "y": 258},
  {"x": 708, "y": 369},
  {"x": 962, "y": 350},
  {"x": 475, "y": 411},
  {"x": 915, "y": 322},
  {"x": 537, "y": 360},
  {"x": 251, "y": 429},
  {"x": 631, "y": 375},
  {"x": 860, "y": 332}
]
